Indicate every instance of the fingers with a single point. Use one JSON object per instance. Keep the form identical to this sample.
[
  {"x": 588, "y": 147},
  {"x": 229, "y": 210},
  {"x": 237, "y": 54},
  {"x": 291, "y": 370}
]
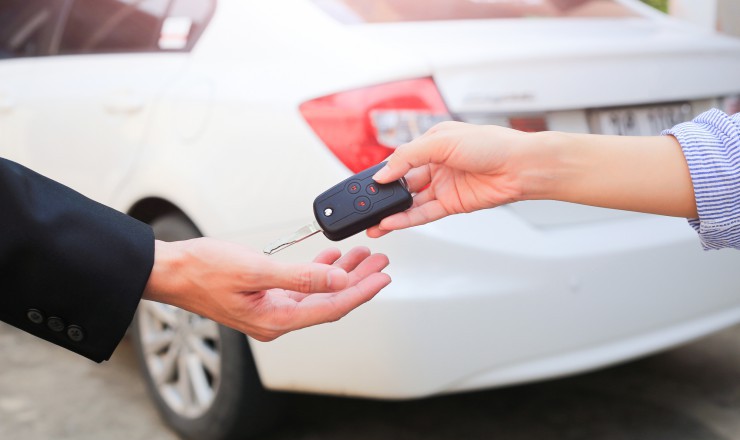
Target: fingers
[
  {"x": 423, "y": 198},
  {"x": 328, "y": 256},
  {"x": 373, "y": 264},
  {"x": 426, "y": 213},
  {"x": 320, "y": 276},
  {"x": 398, "y": 164},
  {"x": 426, "y": 149},
  {"x": 376, "y": 232},
  {"x": 305, "y": 278},
  {"x": 418, "y": 178},
  {"x": 318, "y": 309},
  {"x": 358, "y": 263},
  {"x": 351, "y": 259},
  {"x": 425, "y": 209}
]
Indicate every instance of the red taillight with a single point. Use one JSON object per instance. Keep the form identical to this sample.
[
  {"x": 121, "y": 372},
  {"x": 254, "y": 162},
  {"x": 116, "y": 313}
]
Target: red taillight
[
  {"x": 530, "y": 124},
  {"x": 363, "y": 126}
]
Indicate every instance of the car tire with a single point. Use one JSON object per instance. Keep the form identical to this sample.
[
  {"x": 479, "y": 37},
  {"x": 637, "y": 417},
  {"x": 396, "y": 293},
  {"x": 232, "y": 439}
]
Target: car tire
[{"x": 200, "y": 375}]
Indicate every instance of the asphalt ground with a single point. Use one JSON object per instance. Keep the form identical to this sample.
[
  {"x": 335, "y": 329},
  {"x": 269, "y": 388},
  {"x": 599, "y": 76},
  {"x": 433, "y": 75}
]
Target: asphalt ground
[{"x": 689, "y": 393}]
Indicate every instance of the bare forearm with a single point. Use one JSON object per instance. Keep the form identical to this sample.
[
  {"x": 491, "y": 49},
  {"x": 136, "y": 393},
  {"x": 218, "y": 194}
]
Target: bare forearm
[
  {"x": 645, "y": 174},
  {"x": 457, "y": 167}
]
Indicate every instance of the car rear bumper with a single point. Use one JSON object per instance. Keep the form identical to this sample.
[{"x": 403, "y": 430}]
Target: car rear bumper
[{"x": 484, "y": 300}]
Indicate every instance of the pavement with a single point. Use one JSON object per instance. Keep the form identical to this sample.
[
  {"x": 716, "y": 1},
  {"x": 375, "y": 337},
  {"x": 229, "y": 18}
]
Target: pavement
[{"x": 689, "y": 393}]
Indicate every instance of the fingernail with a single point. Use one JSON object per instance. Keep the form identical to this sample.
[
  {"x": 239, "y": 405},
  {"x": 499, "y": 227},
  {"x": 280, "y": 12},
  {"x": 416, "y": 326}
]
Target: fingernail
[
  {"x": 334, "y": 278},
  {"x": 382, "y": 174}
]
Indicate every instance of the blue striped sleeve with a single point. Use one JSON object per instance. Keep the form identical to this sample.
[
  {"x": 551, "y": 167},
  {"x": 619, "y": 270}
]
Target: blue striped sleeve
[{"x": 711, "y": 145}]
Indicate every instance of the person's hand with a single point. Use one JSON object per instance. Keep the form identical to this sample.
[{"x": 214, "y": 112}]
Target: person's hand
[
  {"x": 257, "y": 295},
  {"x": 455, "y": 168},
  {"x": 458, "y": 168}
]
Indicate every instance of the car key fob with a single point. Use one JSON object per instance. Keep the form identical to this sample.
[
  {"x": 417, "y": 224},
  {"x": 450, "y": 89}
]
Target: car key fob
[
  {"x": 359, "y": 202},
  {"x": 349, "y": 207}
]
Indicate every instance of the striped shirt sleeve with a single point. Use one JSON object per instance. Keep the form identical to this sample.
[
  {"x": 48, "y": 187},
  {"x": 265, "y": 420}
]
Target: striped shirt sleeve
[{"x": 711, "y": 145}]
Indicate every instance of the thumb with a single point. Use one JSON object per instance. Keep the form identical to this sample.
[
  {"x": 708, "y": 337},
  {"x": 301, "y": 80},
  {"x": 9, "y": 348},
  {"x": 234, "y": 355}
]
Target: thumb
[
  {"x": 429, "y": 148},
  {"x": 308, "y": 277}
]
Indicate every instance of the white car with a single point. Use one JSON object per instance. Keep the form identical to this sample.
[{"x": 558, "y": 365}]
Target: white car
[{"x": 227, "y": 118}]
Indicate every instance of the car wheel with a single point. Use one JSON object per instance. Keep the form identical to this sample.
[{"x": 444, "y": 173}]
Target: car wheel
[{"x": 201, "y": 375}]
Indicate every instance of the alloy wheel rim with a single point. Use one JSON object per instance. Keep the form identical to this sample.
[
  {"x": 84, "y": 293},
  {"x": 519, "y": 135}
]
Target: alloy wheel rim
[{"x": 182, "y": 351}]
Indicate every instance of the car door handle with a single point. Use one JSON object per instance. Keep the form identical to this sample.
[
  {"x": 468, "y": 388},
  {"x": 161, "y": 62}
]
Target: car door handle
[{"x": 124, "y": 102}]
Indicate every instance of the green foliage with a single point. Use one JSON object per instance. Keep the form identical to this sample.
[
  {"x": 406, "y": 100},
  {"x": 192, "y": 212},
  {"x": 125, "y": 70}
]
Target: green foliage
[{"x": 661, "y": 5}]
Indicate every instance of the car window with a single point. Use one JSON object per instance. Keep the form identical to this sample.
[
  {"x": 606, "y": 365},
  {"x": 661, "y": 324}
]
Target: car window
[
  {"x": 27, "y": 26},
  {"x": 381, "y": 11},
  {"x": 95, "y": 26}
]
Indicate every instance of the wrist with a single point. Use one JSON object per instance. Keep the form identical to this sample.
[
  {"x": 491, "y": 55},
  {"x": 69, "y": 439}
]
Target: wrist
[
  {"x": 543, "y": 163},
  {"x": 163, "y": 280}
]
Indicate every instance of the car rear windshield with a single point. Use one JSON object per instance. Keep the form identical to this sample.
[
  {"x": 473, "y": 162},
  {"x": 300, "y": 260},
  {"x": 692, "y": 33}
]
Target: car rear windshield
[{"x": 384, "y": 11}]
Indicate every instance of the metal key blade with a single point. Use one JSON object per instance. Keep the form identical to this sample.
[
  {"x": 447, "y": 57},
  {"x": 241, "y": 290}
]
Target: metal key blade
[{"x": 299, "y": 235}]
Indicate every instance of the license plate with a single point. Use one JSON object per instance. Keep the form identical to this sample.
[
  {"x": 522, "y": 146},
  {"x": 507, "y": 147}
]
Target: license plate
[{"x": 639, "y": 121}]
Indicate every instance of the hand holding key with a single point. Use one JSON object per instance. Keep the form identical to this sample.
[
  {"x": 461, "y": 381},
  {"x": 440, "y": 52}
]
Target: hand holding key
[
  {"x": 455, "y": 168},
  {"x": 459, "y": 168},
  {"x": 349, "y": 207},
  {"x": 259, "y": 296}
]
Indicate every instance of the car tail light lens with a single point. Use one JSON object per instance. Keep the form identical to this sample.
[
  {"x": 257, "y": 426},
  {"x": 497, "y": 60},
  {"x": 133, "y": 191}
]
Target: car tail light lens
[
  {"x": 530, "y": 124},
  {"x": 363, "y": 126}
]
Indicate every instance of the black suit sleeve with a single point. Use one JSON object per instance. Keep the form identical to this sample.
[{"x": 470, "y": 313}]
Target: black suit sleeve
[{"x": 72, "y": 271}]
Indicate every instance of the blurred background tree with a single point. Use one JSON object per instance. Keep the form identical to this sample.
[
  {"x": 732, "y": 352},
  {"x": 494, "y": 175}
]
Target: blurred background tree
[{"x": 658, "y": 4}]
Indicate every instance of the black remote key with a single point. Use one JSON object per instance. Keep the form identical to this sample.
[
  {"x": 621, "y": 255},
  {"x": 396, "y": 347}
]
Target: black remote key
[{"x": 351, "y": 206}]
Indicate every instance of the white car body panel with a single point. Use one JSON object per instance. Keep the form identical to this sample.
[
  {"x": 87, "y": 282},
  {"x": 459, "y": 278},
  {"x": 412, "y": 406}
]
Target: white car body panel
[
  {"x": 518, "y": 293},
  {"x": 491, "y": 301},
  {"x": 14, "y": 117},
  {"x": 91, "y": 121}
]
